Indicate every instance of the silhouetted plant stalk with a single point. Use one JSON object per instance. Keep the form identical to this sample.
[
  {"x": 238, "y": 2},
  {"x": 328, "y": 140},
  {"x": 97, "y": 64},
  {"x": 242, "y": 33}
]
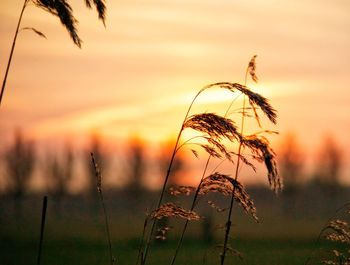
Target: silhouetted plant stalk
[
  {"x": 194, "y": 201},
  {"x": 197, "y": 191},
  {"x": 99, "y": 190},
  {"x": 213, "y": 130},
  {"x": 12, "y": 50},
  {"x": 229, "y": 222},
  {"x": 149, "y": 239},
  {"x": 42, "y": 228},
  {"x": 64, "y": 12},
  {"x": 339, "y": 232},
  {"x": 209, "y": 124},
  {"x": 266, "y": 154},
  {"x": 202, "y": 123}
]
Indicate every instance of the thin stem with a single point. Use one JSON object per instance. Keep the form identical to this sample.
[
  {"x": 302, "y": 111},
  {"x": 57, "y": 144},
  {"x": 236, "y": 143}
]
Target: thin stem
[
  {"x": 198, "y": 189},
  {"x": 12, "y": 50},
  {"x": 167, "y": 177},
  {"x": 192, "y": 207},
  {"x": 99, "y": 190},
  {"x": 140, "y": 253},
  {"x": 42, "y": 227},
  {"x": 188, "y": 140},
  {"x": 229, "y": 220},
  {"x": 107, "y": 228}
]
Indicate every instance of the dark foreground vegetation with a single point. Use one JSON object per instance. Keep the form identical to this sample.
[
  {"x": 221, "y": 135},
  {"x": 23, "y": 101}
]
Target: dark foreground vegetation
[{"x": 287, "y": 233}]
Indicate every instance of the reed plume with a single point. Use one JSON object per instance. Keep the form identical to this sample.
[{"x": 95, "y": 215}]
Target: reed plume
[
  {"x": 100, "y": 192},
  {"x": 338, "y": 231},
  {"x": 213, "y": 129},
  {"x": 64, "y": 12},
  {"x": 260, "y": 149},
  {"x": 259, "y": 146}
]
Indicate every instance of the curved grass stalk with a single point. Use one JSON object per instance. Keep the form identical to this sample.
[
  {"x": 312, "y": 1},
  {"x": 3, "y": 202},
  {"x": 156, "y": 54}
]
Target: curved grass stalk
[
  {"x": 60, "y": 9},
  {"x": 12, "y": 50},
  {"x": 176, "y": 148},
  {"x": 229, "y": 218},
  {"x": 150, "y": 235},
  {"x": 194, "y": 201},
  {"x": 195, "y": 197}
]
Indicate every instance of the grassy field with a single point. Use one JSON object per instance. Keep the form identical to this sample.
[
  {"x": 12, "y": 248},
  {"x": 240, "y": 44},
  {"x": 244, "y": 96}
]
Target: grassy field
[
  {"x": 76, "y": 251},
  {"x": 83, "y": 242},
  {"x": 78, "y": 236}
]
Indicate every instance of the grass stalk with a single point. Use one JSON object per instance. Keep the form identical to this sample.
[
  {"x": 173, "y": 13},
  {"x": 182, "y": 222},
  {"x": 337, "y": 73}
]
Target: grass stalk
[
  {"x": 140, "y": 252},
  {"x": 42, "y": 228},
  {"x": 229, "y": 216},
  {"x": 194, "y": 201},
  {"x": 99, "y": 189},
  {"x": 12, "y": 50},
  {"x": 195, "y": 197},
  {"x": 143, "y": 261}
]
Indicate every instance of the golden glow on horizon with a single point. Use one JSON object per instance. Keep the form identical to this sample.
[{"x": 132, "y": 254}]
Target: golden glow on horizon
[{"x": 142, "y": 71}]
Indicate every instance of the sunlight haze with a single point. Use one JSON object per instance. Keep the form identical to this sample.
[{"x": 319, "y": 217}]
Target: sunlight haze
[{"x": 139, "y": 74}]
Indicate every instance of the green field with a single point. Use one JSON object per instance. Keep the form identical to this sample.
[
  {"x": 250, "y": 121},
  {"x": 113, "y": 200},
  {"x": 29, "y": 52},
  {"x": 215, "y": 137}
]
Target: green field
[
  {"x": 75, "y": 251},
  {"x": 77, "y": 236}
]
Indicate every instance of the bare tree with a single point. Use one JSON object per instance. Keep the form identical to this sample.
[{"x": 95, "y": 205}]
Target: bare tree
[
  {"x": 135, "y": 170},
  {"x": 60, "y": 173},
  {"x": 329, "y": 164},
  {"x": 178, "y": 164},
  {"x": 20, "y": 159},
  {"x": 291, "y": 162}
]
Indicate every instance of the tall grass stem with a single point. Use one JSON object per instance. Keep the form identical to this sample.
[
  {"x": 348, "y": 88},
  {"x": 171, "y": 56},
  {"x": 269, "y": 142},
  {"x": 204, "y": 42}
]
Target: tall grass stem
[
  {"x": 167, "y": 178},
  {"x": 42, "y": 228},
  {"x": 12, "y": 50},
  {"x": 229, "y": 216},
  {"x": 99, "y": 189}
]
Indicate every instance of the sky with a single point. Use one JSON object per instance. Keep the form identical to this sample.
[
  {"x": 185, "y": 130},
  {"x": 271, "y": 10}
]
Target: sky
[{"x": 137, "y": 75}]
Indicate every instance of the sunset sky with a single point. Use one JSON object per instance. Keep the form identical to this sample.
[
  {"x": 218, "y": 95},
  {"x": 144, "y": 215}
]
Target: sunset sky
[{"x": 138, "y": 75}]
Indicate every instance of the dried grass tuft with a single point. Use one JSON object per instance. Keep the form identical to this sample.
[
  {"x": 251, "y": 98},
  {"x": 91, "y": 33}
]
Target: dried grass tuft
[
  {"x": 97, "y": 174},
  {"x": 217, "y": 208},
  {"x": 252, "y": 69},
  {"x": 262, "y": 152},
  {"x": 255, "y": 99},
  {"x": 62, "y": 10},
  {"x": 227, "y": 186},
  {"x": 162, "y": 232},
  {"x": 212, "y": 124},
  {"x": 340, "y": 231},
  {"x": 172, "y": 210},
  {"x": 181, "y": 190},
  {"x": 100, "y": 6}
]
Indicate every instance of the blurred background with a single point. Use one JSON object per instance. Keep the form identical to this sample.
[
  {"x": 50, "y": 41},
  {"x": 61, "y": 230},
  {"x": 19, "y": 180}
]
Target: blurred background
[{"x": 123, "y": 97}]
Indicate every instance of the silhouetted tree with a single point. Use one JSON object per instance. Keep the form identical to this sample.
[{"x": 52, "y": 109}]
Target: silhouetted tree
[
  {"x": 291, "y": 162},
  {"x": 329, "y": 166},
  {"x": 60, "y": 173},
  {"x": 178, "y": 164},
  {"x": 136, "y": 169},
  {"x": 20, "y": 159}
]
